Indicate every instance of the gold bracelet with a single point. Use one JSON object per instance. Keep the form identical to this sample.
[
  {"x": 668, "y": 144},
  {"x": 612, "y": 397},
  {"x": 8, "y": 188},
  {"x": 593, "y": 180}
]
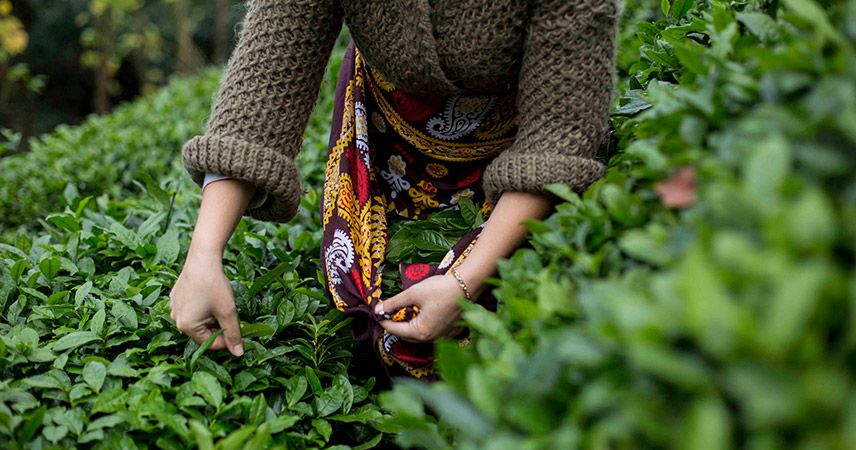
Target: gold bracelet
[{"x": 461, "y": 282}]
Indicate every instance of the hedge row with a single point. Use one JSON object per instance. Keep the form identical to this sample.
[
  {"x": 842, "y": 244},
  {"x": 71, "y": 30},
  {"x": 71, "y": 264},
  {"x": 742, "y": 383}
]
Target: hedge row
[
  {"x": 88, "y": 355},
  {"x": 702, "y": 295}
]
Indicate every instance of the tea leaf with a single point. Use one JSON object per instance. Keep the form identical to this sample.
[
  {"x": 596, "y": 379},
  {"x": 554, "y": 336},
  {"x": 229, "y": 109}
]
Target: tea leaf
[{"x": 208, "y": 387}]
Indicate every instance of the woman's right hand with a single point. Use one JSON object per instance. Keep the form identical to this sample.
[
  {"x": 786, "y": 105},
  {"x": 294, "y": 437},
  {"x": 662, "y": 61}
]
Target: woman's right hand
[{"x": 201, "y": 300}]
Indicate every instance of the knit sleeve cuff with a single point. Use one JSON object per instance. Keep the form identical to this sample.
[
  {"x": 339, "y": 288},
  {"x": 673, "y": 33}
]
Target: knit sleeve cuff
[
  {"x": 268, "y": 170},
  {"x": 531, "y": 172}
]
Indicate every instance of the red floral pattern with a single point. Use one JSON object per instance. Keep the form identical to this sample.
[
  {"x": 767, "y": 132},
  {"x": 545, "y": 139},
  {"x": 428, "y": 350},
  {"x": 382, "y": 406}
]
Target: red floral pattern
[{"x": 372, "y": 171}]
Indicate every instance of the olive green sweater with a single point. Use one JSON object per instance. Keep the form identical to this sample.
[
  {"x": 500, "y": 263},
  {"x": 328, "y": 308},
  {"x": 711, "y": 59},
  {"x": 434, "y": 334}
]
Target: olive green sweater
[{"x": 557, "y": 56}]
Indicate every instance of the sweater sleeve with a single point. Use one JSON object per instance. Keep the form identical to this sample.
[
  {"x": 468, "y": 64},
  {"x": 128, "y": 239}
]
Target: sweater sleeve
[
  {"x": 565, "y": 89},
  {"x": 264, "y": 101}
]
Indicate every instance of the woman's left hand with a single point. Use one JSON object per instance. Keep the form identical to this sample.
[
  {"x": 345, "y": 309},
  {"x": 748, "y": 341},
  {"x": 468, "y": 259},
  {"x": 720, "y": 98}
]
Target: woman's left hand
[
  {"x": 437, "y": 299},
  {"x": 437, "y": 296}
]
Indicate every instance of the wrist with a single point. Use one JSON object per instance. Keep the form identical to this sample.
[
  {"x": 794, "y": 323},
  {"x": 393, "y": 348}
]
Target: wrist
[
  {"x": 465, "y": 290},
  {"x": 203, "y": 252},
  {"x": 472, "y": 277}
]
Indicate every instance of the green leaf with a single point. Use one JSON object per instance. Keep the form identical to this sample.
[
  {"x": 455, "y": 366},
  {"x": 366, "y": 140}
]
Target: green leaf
[
  {"x": 207, "y": 386},
  {"x": 124, "y": 314},
  {"x": 74, "y": 340},
  {"x": 50, "y": 267},
  {"x": 120, "y": 367},
  {"x": 168, "y": 247},
  {"x": 94, "y": 374},
  {"x": 454, "y": 410},
  {"x": 252, "y": 330},
  {"x": 815, "y": 15},
  {"x": 108, "y": 421},
  {"x": 285, "y": 313},
  {"x": 323, "y": 428},
  {"x": 202, "y": 348},
  {"x": 96, "y": 325},
  {"x": 268, "y": 278},
  {"x": 708, "y": 426},
  {"x": 312, "y": 378},
  {"x": 343, "y": 388},
  {"x": 327, "y": 403},
  {"x": 81, "y": 293},
  {"x": 680, "y": 8},
  {"x": 65, "y": 222},
  {"x": 236, "y": 439},
  {"x": 470, "y": 211},
  {"x": 31, "y": 424},
  {"x": 261, "y": 439},
  {"x": 371, "y": 443},
  {"x": 296, "y": 389},
  {"x": 282, "y": 423},
  {"x": 766, "y": 168},
  {"x": 54, "y": 433},
  {"x": 691, "y": 56},
  {"x": 761, "y": 25},
  {"x": 202, "y": 435}
]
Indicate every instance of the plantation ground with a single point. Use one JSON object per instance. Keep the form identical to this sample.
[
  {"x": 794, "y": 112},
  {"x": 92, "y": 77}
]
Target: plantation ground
[{"x": 710, "y": 310}]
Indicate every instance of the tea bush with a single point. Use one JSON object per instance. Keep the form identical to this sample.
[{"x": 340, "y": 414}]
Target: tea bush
[
  {"x": 88, "y": 355},
  {"x": 702, "y": 295},
  {"x": 105, "y": 154}
]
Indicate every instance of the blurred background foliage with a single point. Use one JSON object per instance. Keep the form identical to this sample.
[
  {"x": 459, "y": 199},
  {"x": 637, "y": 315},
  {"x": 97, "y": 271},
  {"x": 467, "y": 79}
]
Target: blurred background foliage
[{"x": 63, "y": 60}]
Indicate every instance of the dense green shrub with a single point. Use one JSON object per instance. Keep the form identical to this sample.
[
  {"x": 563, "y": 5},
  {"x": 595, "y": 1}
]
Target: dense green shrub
[
  {"x": 105, "y": 154},
  {"x": 88, "y": 355},
  {"x": 109, "y": 154},
  {"x": 725, "y": 323}
]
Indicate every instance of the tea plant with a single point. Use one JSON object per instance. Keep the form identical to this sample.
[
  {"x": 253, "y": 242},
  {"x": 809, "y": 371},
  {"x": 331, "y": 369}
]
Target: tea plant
[
  {"x": 88, "y": 355},
  {"x": 701, "y": 294}
]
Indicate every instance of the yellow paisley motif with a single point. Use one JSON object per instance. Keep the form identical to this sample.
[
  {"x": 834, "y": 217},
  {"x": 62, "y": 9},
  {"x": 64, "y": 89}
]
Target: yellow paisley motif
[
  {"x": 436, "y": 148},
  {"x": 436, "y": 170},
  {"x": 503, "y": 119}
]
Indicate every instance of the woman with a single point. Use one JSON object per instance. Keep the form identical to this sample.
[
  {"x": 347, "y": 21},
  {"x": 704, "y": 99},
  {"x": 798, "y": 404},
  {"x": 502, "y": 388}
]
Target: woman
[{"x": 436, "y": 99}]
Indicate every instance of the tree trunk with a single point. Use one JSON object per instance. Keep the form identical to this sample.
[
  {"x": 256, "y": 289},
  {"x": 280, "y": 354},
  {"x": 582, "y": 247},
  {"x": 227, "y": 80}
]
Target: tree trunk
[
  {"x": 187, "y": 57},
  {"x": 220, "y": 39},
  {"x": 140, "y": 56},
  {"x": 101, "y": 95}
]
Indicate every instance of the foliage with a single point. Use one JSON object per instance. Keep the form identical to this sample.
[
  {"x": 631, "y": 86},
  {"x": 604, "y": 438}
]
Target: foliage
[
  {"x": 13, "y": 37},
  {"x": 635, "y": 321},
  {"x": 92, "y": 54},
  {"x": 13, "y": 42},
  {"x": 728, "y": 323},
  {"x": 105, "y": 154},
  {"x": 88, "y": 354},
  {"x": 425, "y": 241}
]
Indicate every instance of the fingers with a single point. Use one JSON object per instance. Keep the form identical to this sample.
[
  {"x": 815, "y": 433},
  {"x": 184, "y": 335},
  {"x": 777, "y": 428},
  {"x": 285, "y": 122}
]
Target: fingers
[
  {"x": 402, "y": 300},
  {"x": 228, "y": 319},
  {"x": 412, "y": 330},
  {"x": 198, "y": 330},
  {"x": 197, "y": 333}
]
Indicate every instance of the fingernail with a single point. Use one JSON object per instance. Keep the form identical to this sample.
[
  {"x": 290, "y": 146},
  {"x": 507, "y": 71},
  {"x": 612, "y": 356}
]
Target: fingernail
[
  {"x": 239, "y": 350},
  {"x": 378, "y": 309}
]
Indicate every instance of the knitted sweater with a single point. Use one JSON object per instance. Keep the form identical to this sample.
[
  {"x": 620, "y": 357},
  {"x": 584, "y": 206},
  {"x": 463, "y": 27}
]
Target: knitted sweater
[{"x": 556, "y": 56}]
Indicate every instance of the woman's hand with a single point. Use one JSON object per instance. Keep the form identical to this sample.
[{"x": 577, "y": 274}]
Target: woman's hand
[
  {"x": 437, "y": 299},
  {"x": 437, "y": 296},
  {"x": 201, "y": 302}
]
